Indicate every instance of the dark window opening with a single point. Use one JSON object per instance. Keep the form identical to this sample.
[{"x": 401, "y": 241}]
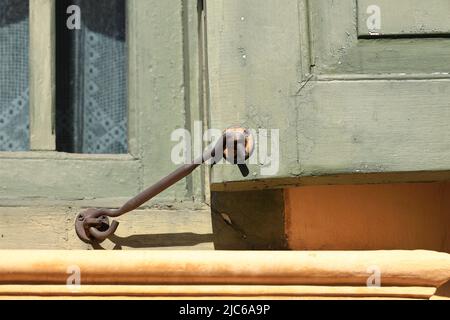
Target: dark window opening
[{"x": 91, "y": 78}]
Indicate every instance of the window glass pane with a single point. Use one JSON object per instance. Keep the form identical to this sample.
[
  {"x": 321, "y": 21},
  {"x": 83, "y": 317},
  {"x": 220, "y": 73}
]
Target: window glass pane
[
  {"x": 91, "y": 79},
  {"x": 14, "y": 106}
]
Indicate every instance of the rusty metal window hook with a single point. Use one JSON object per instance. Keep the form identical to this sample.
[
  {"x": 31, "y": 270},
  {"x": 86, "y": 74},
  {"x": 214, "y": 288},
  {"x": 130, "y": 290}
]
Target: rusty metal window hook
[{"x": 236, "y": 145}]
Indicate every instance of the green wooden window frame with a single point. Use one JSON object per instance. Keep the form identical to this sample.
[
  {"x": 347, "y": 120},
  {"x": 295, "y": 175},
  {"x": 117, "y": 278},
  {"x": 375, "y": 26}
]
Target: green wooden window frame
[{"x": 164, "y": 93}]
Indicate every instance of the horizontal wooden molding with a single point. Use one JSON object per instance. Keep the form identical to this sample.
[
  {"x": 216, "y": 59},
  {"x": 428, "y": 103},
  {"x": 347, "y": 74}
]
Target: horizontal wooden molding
[
  {"x": 211, "y": 291},
  {"x": 398, "y": 268},
  {"x": 333, "y": 179}
]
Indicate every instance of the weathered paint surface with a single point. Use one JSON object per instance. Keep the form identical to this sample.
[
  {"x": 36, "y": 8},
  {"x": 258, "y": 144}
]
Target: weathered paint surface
[
  {"x": 368, "y": 107},
  {"x": 336, "y": 49},
  {"x": 68, "y": 178},
  {"x": 163, "y": 67},
  {"x": 255, "y": 69},
  {"x": 52, "y": 227},
  {"x": 157, "y": 85},
  {"x": 405, "y": 17},
  {"x": 164, "y": 55},
  {"x": 348, "y": 110}
]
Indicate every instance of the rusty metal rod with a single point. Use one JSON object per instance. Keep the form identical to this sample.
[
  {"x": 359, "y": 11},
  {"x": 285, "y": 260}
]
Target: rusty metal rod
[{"x": 92, "y": 224}]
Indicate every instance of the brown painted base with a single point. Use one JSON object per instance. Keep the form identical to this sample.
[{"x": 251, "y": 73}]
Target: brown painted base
[{"x": 369, "y": 217}]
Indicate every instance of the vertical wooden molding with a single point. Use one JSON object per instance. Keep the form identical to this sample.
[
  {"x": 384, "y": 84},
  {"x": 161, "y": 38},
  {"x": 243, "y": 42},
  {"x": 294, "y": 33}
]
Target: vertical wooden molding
[
  {"x": 132, "y": 80},
  {"x": 42, "y": 75},
  {"x": 205, "y": 105},
  {"x": 305, "y": 41},
  {"x": 193, "y": 84},
  {"x": 158, "y": 87}
]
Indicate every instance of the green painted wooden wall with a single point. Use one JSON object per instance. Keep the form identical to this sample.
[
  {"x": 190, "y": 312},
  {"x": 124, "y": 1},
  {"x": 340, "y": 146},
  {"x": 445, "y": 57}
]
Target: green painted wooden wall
[{"x": 349, "y": 108}]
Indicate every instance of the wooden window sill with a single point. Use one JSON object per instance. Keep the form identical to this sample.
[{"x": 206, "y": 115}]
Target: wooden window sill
[
  {"x": 45, "y": 224},
  {"x": 222, "y": 274}
]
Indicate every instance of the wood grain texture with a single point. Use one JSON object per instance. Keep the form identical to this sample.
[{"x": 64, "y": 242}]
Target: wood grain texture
[
  {"x": 159, "y": 87},
  {"x": 368, "y": 217},
  {"x": 360, "y": 127},
  {"x": 68, "y": 178},
  {"x": 385, "y": 57},
  {"x": 255, "y": 70},
  {"x": 53, "y": 228},
  {"x": 374, "y": 126}
]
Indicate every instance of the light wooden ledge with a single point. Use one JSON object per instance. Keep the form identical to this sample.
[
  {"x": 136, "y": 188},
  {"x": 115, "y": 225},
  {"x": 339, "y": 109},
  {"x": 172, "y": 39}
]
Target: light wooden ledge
[
  {"x": 214, "y": 291},
  {"x": 222, "y": 274}
]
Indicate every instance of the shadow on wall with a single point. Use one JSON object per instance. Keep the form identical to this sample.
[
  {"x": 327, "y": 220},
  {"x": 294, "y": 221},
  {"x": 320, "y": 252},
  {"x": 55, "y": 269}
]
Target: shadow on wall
[
  {"x": 186, "y": 239},
  {"x": 248, "y": 220}
]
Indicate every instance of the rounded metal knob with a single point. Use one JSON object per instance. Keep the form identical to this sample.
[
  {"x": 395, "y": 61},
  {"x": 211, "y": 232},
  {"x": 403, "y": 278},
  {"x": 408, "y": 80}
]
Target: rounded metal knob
[{"x": 238, "y": 145}]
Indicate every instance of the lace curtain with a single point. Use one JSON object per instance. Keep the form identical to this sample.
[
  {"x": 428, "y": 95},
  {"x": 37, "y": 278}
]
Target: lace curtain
[
  {"x": 91, "y": 81},
  {"x": 14, "y": 106},
  {"x": 91, "y": 110}
]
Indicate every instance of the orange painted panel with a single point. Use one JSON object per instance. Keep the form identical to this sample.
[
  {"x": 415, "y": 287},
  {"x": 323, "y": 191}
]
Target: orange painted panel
[{"x": 369, "y": 217}]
